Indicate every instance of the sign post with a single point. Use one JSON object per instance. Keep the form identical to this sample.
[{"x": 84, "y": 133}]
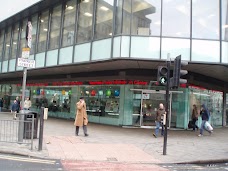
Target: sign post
[{"x": 24, "y": 62}]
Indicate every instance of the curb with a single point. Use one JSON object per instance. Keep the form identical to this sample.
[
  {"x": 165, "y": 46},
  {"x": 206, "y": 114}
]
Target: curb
[{"x": 205, "y": 161}]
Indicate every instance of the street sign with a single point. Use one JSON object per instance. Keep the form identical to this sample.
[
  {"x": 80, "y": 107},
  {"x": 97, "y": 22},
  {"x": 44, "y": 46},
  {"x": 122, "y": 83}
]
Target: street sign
[
  {"x": 30, "y": 63},
  {"x": 29, "y": 34},
  {"x": 25, "y": 53}
]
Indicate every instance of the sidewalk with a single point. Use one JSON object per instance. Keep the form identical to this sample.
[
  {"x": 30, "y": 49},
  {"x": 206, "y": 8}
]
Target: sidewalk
[{"x": 125, "y": 145}]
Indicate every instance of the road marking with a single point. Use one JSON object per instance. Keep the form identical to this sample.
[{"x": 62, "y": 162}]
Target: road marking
[{"x": 23, "y": 159}]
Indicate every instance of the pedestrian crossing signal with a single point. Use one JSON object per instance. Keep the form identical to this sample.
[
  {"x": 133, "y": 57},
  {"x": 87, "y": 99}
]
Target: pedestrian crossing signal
[{"x": 162, "y": 75}]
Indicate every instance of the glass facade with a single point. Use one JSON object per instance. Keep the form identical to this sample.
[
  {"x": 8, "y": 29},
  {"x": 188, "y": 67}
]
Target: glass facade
[
  {"x": 152, "y": 24},
  {"x": 85, "y": 31}
]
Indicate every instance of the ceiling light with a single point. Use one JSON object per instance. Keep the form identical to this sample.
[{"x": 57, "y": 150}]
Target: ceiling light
[
  {"x": 157, "y": 23},
  {"x": 7, "y": 45},
  {"x": 70, "y": 7},
  {"x": 104, "y": 8},
  {"x": 42, "y": 21},
  {"x": 85, "y": 1},
  {"x": 14, "y": 43},
  {"x": 88, "y": 14},
  {"x": 45, "y": 29},
  {"x": 110, "y": 34}
]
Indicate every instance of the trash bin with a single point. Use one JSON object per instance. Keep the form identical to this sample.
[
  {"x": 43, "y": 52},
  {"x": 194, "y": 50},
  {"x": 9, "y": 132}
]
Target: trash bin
[{"x": 28, "y": 124}]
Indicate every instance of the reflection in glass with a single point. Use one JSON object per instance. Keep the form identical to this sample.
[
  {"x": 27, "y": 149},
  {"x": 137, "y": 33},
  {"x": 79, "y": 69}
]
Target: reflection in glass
[
  {"x": 149, "y": 47},
  {"x": 225, "y": 20},
  {"x": 7, "y": 44},
  {"x": 23, "y": 41},
  {"x": 205, "y": 19},
  {"x": 34, "y": 30},
  {"x": 2, "y": 32},
  {"x": 43, "y": 29},
  {"x": 85, "y": 21},
  {"x": 176, "y": 18},
  {"x": 119, "y": 13},
  {"x": 205, "y": 51},
  {"x": 146, "y": 17},
  {"x": 69, "y": 23},
  {"x": 224, "y": 52},
  {"x": 15, "y": 41},
  {"x": 55, "y": 28},
  {"x": 104, "y": 18},
  {"x": 176, "y": 47}
]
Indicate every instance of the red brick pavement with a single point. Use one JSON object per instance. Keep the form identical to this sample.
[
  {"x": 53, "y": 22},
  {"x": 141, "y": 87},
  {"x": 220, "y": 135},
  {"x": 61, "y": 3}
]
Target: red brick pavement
[{"x": 74, "y": 165}]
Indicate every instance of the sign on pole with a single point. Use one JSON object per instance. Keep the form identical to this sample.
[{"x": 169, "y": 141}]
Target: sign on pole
[
  {"x": 29, "y": 34},
  {"x": 29, "y": 63},
  {"x": 25, "y": 53}
]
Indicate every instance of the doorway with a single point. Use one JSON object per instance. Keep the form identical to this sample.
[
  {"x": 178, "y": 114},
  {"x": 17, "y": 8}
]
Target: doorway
[{"x": 149, "y": 104}]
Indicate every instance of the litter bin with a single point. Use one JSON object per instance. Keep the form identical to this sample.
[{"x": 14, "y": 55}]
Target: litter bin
[{"x": 28, "y": 124}]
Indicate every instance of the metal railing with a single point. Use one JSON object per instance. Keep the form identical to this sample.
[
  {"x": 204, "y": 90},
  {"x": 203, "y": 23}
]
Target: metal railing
[{"x": 10, "y": 128}]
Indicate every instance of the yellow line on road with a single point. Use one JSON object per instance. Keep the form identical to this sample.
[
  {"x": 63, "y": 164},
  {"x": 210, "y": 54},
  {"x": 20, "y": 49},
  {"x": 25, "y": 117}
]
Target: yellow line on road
[{"x": 27, "y": 159}]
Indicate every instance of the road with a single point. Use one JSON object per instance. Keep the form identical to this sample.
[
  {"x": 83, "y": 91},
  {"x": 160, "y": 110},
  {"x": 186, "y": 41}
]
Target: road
[{"x": 19, "y": 163}]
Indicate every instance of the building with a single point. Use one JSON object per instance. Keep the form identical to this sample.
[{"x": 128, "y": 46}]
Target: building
[{"x": 108, "y": 51}]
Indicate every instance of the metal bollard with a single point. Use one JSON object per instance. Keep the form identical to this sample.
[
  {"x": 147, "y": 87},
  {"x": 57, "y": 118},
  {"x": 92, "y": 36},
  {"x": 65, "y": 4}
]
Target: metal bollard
[{"x": 41, "y": 129}]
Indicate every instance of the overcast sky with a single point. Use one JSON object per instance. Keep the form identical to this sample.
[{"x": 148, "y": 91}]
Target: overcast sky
[{"x": 10, "y": 7}]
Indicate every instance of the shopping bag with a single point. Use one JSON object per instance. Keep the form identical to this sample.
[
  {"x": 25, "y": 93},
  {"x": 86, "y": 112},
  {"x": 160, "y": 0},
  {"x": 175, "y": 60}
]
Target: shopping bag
[{"x": 208, "y": 126}]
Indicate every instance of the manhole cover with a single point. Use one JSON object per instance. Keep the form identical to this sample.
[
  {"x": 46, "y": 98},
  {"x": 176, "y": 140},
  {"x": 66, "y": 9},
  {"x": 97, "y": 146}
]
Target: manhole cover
[{"x": 112, "y": 159}]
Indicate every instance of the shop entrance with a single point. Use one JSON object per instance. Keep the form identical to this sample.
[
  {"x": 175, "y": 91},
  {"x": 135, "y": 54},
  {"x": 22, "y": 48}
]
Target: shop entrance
[{"x": 148, "y": 106}]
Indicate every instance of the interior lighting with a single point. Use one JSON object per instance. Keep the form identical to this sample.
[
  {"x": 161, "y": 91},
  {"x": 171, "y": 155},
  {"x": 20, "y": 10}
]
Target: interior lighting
[
  {"x": 42, "y": 21},
  {"x": 70, "y": 7},
  {"x": 7, "y": 45},
  {"x": 88, "y": 14},
  {"x": 85, "y": 1},
  {"x": 104, "y": 8},
  {"x": 45, "y": 29},
  {"x": 110, "y": 34},
  {"x": 14, "y": 43}
]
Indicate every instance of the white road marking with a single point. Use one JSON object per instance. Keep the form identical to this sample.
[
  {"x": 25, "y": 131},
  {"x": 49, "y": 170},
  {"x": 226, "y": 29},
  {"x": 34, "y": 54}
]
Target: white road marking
[{"x": 23, "y": 159}]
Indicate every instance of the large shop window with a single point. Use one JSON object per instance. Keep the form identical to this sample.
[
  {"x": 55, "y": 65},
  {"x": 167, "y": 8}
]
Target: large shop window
[
  {"x": 173, "y": 11},
  {"x": 85, "y": 21},
  {"x": 55, "y": 28},
  {"x": 23, "y": 35},
  {"x": 55, "y": 99},
  {"x": 43, "y": 29},
  {"x": 102, "y": 101},
  {"x": 69, "y": 23},
  {"x": 104, "y": 18},
  {"x": 7, "y": 44},
  {"x": 1, "y": 43},
  {"x": 14, "y": 43},
  {"x": 225, "y": 20},
  {"x": 34, "y": 30},
  {"x": 146, "y": 17},
  {"x": 205, "y": 19}
]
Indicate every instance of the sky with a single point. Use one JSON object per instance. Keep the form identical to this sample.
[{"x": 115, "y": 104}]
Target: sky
[{"x": 11, "y": 7}]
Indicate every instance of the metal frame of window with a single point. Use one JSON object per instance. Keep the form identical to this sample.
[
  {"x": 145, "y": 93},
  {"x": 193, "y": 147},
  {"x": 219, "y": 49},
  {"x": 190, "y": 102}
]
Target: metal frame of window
[
  {"x": 93, "y": 27},
  {"x": 220, "y": 29},
  {"x": 75, "y": 28},
  {"x": 10, "y": 49},
  {"x": 48, "y": 35},
  {"x": 37, "y": 35}
]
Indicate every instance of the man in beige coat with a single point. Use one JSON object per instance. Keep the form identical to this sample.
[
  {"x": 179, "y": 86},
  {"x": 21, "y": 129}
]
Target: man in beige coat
[{"x": 81, "y": 116}]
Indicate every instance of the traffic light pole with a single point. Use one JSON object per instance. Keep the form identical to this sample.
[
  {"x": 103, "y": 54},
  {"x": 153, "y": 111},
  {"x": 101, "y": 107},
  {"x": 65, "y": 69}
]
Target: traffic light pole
[{"x": 167, "y": 105}]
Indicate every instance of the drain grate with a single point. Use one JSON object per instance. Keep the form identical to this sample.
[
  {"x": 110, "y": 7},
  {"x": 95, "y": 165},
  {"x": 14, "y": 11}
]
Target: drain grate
[{"x": 112, "y": 159}]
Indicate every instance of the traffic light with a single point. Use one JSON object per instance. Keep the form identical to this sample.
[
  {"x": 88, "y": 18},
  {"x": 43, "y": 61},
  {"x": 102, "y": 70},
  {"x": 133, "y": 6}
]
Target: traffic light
[
  {"x": 162, "y": 75},
  {"x": 176, "y": 80}
]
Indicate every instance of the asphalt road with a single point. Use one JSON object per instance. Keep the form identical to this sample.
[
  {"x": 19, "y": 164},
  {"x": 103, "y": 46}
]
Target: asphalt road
[{"x": 19, "y": 163}]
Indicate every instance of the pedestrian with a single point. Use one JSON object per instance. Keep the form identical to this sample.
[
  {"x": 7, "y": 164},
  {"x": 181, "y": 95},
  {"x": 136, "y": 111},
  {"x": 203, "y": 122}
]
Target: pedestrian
[
  {"x": 81, "y": 117},
  {"x": 158, "y": 120},
  {"x": 27, "y": 103},
  {"x": 18, "y": 104},
  {"x": 1, "y": 104},
  {"x": 205, "y": 117},
  {"x": 14, "y": 108},
  {"x": 195, "y": 116}
]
